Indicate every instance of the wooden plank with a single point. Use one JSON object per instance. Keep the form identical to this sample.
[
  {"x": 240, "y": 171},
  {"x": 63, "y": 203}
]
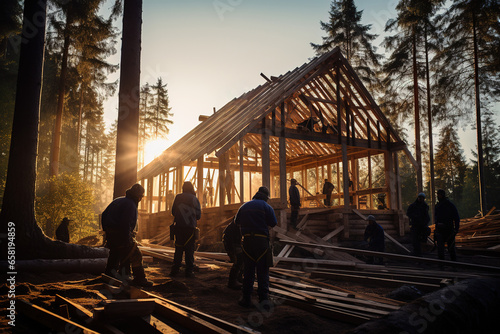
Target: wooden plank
[
  {"x": 50, "y": 319},
  {"x": 119, "y": 309},
  {"x": 372, "y": 280},
  {"x": 333, "y": 233},
  {"x": 221, "y": 325},
  {"x": 398, "y": 256},
  {"x": 396, "y": 242},
  {"x": 331, "y": 313}
]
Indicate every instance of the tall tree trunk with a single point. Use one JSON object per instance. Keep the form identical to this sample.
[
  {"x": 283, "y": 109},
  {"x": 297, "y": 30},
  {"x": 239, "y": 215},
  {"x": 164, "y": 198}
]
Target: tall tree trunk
[
  {"x": 56, "y": 137},
  {"x": 429, "y": 124},
  {"x": 128, "y": 105},
  {"x": 418, "y": 149},
  {"x": 480, "y": 160},
  {"x": 79, "y": 127},
  {"x": 18, "y": 207}
]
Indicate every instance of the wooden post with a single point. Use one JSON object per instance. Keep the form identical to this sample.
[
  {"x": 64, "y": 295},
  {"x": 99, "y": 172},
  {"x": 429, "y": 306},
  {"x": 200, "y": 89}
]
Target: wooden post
[
  {"x": 242, "y": 173},
  {"x": 160, "y": 185},
  {"x": 199, "y": 186},
  {"x": 345, "y": 176},
  {"x": 370, "y": 185},
  {"x": 222, "y": 181},
  {"x": 266, "y": 163},
  {"x": 282, "y": 156},
  {"x": 150, "y": 195}
]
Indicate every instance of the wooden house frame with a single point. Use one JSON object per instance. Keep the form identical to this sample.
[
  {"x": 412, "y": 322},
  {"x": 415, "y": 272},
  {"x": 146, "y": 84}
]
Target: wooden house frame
[{"x": 263, "y": 138}]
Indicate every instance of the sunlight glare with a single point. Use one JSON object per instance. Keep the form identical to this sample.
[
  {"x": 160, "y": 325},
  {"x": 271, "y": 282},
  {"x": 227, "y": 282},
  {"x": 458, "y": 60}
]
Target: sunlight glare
[{"x": 153, "y": 149}]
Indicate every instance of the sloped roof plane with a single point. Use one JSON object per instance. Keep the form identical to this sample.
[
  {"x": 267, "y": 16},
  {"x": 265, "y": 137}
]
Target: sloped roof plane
[{"x": 311, "y": 87}]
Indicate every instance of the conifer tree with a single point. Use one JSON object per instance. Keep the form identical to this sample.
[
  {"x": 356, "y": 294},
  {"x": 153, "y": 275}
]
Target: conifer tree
[
  {"x": 344, "y": 30},
  {"x": 450, "y": 163}
]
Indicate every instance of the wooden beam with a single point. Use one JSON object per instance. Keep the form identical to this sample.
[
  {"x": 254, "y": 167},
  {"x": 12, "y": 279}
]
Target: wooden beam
[
  {"x": 189, "y": 317},
  {"x": 50, "y": 319},
  {"x": 397, "y": 256}
]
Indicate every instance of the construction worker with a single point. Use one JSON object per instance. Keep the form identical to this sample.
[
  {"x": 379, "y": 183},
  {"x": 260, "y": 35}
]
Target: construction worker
[
  {"x": 327, "y": 190},
  {"x": 186, "y": 211},
  {"x": 254, "y": 219},
  {"x": 231, "y": 238},
  {"x": 62, "y": 232},
  {"x": 118, "y": 221},
  {"x": 418, "y": 212},
  {"x": 294, "y": 195},
  {"x": 447, "y": 224},
  {"x": 375, "y": 234}
]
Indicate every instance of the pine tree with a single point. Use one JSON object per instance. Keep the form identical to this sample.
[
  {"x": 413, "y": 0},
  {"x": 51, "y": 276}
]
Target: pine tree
[
  {"x": 160, "y": 110},
  {"x": 344, "y": 30},
  {"x": 471, "y": 65},
  {"x": 450, "y": 163},
  {"x": 408, "y": 63}
]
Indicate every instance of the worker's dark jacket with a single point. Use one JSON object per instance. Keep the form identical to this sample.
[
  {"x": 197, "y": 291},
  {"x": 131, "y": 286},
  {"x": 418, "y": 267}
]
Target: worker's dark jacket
[
  {"x": 231, "y": 238},
  {"x": 186, "y": 211},
  {"x": 446, "y": 216},
  {"x": 294, "y": 194},
  {"x": 328, "y": 188},
  {"x": 119, "y": 220},
  {"x": 375, "y": 233},
  {"x": 62, "y": 232},
  {"x": 255, "y": 216},
  {"x": 418, "y": 212}
]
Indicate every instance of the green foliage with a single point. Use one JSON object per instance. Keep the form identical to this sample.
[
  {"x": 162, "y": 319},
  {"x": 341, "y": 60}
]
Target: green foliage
[
  {"x": 450, "y": 165},
  {"x": 66, "y": 196},
  {"x": 344, "y": 30}
]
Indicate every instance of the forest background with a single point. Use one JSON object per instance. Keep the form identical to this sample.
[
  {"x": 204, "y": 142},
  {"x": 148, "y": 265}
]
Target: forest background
[{"x": 79, "y": 80}]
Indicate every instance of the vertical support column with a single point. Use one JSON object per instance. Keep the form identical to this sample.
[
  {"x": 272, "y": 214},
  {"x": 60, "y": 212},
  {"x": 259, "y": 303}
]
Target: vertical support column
[
  {"x": 222, "y": 181},
  {"x": 355, "y": 181},
  {"x": 179, "y": 178},
  {"x": 399, "y": 199},
  {"x": 266, "y": 163},
  {"x": 150, "y": 195},
  {"x": 282, "y": 158},
  {"x": 242, "y": 173},
  {"x": 390, "y": 180},
  {"x": 199, "y": 186},
  {"x": 160, "y": 186},
  {"x": 345, "y": 177},
  {"x": 370, "y": 183}
]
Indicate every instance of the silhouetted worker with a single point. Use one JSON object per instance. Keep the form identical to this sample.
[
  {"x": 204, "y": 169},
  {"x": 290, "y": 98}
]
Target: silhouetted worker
[
  {"x": 447, "y": 223},
  {"x": 62, "y": 232},
  {"x": 119, "y": 220},
  {"x": 375, "y": 233},
  {"x": 327, "y": 190},
  {"x": 170, "y": 200},
  {"x": 186, "y": 211},
  {"x": 418, "y": 212},
  {"x": 294, "y": 195},
  {"x": 308, "y": 124},
  {"x": 231, "y": 237},
  {"x": 254, "y": 219}
]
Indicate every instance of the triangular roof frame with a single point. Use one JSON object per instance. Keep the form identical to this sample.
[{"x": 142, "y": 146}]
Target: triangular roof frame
[{"x": 223, "y": 129}]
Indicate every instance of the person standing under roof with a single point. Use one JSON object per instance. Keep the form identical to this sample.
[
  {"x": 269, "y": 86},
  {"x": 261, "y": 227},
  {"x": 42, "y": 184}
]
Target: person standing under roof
[
  {"x": 254, "y": 219},
  {"x": 418, "y": 212},
  {"x": 447, "y": 224},
  {"x": 375, "y": 234},
  {"x": 186, "y": 211},
  {"x": 294, "y": 195}
]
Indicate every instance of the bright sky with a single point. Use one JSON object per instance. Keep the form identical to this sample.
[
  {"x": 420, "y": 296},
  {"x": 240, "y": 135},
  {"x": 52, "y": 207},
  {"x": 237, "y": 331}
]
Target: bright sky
[{"x": 211, "y": 51}]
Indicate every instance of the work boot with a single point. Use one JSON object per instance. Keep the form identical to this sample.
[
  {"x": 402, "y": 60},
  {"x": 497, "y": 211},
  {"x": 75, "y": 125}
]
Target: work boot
[
  {"x": 140, "y": 277},
  {"x": 234, "y": 285},
  {"x": 189, "y": 274},
  {"x": 245, "y": 301},
  {"x": 174, "y": 271}
]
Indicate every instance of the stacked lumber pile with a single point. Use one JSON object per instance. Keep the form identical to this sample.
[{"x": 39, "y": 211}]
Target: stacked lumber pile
[
  {"x": 126, "y": 309},
  {"x": 481, "y": 232}
]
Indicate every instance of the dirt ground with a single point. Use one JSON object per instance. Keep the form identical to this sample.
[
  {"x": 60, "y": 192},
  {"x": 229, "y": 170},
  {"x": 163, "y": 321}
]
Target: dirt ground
[{"x": 207, "y": 292}]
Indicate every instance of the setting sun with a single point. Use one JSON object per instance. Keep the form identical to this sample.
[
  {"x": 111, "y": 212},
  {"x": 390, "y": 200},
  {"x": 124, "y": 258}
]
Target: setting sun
[{"x": 154, "y": 148}]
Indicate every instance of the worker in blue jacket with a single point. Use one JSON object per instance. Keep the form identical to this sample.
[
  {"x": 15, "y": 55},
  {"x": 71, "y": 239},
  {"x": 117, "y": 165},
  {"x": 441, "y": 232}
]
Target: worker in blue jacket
[
  {"x": 254, "y": 219},
  {"x": 375, "y": 234},
  {"x": 119, "y": 220}
]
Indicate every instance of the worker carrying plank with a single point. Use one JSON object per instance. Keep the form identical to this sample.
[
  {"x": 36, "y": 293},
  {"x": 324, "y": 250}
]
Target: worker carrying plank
[{"x": 119, "y": 220}]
